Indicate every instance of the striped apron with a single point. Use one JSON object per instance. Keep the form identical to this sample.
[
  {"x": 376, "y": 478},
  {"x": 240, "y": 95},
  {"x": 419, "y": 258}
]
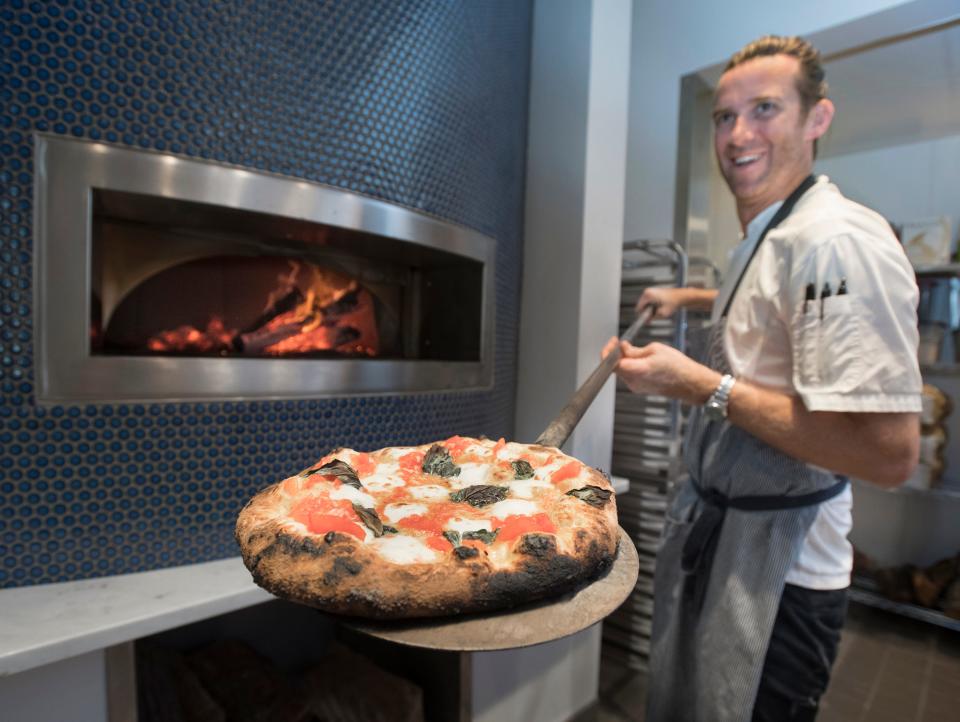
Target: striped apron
[{"x": 733, "y": 530}]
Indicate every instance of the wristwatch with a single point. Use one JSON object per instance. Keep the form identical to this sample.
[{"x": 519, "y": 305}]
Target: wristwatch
[{"x": 716, "y": 407}]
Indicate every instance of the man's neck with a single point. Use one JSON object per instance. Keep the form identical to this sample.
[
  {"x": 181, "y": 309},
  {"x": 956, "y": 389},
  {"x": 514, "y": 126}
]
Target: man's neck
[{"x": 747, "y": 210}]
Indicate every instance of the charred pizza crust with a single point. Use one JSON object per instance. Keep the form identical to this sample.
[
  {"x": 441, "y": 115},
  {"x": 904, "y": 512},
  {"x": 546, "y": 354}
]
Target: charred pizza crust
[{"x": 391, "y": 575}]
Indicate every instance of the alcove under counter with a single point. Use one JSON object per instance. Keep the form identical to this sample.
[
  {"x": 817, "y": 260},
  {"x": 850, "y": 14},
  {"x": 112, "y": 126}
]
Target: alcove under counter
[{"x": 67, "y": 649}]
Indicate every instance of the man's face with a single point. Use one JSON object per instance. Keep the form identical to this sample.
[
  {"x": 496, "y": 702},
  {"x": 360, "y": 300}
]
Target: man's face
[{"x": 762, "y": 136}]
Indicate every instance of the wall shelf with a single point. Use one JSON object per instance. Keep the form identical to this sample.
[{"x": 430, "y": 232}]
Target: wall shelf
[
  {"x": 945, "y": 269},
  {"x": 862, "y": 592},
  {"x": 940, "y": 369},
  {"x": 937, "y": 492}
]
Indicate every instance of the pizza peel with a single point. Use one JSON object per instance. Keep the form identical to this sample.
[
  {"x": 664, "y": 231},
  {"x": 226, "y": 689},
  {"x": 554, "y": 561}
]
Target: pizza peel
[{"x": 544, "y": 621}]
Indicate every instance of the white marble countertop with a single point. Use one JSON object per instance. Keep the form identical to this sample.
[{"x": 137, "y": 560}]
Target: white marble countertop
[
  {"x": 49, "y": 622},
  {"x": 620, "y": 484}
]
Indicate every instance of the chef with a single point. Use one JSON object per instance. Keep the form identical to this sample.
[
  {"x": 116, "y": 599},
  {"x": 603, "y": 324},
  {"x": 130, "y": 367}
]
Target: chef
[{"x": 808, "y": 375}]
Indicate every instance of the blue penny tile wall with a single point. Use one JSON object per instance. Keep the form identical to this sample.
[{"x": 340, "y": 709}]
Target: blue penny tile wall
[{"x": 417, "y": 102}]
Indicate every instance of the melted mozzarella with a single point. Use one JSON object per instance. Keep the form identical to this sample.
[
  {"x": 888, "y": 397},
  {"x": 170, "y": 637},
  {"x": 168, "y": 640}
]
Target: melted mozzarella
[
  {"x": 396, "y": 452},
  {"x": 465, "y": 525},
  {"x": 429, "y": 492},
  {"x": 470, "y": 474},
  {"x": 404, "y": 549},
  {"x": 477, "y": 449},
  {"x": 345, "y": 491},
  {"x": 513, "y": 507},
  {"x": 383, "y": 480},
  {"x": 396, "y": 512},
  {"x": 525, "y": 488},
  {"x": 544, "y": 472}
]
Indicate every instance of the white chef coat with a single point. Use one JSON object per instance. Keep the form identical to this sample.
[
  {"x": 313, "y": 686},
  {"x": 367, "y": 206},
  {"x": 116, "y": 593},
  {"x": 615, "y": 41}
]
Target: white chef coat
[{"x": 855, "y": 352}]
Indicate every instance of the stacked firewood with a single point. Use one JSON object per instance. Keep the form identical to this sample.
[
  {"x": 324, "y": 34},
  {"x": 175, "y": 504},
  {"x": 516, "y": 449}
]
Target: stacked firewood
[
  {"x": 228, "y": 681},
  {"x": 936, "y": 586},
  {"x": 933, "y": 438}
]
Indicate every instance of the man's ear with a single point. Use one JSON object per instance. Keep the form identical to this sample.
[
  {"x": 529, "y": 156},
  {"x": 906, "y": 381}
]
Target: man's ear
[{"x": 819, "y": 119}]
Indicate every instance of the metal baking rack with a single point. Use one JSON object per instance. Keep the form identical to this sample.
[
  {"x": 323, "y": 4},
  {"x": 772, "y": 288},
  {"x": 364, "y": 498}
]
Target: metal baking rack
[{"x": 646, "y": 438}]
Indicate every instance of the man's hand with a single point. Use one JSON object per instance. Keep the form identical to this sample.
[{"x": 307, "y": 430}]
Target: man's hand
[
  {"x": 663, "y": 370},
  {"x": 665, "y": 301},
  {"x": 668, "y": 300}
]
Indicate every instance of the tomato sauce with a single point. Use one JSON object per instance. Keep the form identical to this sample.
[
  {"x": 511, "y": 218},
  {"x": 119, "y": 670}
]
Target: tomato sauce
[
  {"x": 438, "y": 542},
  {"x": 517, "y": 525},
  {"x": 363, "y": 464},
  {"x": 412, "y": 461},
  {"x": 567, "y": 471},
  {"x": 421, "y": 523},
  {"x": 457, "y": 445},
  {"x": 302, "y": 510},
  {"x": 323, "y": 523}
]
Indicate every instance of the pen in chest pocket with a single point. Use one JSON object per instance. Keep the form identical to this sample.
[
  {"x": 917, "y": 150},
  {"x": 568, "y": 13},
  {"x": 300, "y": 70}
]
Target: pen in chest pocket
[
  {"x": 811, "y": 295},
  {"x": 824, "y": 294}
]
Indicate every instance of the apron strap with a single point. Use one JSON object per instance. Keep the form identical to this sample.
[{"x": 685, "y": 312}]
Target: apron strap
[
  {"x": 782, "y": 212},
  {"x": 699, "y": 548}
]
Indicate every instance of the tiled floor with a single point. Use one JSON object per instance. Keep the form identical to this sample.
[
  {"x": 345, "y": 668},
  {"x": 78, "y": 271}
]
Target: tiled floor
[{"x": 888, "y": 669}]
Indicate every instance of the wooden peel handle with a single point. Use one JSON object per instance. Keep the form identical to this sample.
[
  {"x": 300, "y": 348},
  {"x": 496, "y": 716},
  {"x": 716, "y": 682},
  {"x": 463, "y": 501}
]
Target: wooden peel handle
[{"x": 559, "y": 430}]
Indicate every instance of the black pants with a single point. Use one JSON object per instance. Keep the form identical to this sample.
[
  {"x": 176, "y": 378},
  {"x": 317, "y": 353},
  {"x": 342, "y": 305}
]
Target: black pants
[{"x": 803, "y": 646}]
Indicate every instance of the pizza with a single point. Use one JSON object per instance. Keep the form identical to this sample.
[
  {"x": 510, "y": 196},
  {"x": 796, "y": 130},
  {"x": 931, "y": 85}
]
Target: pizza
[{"x": 463, "y": 525}]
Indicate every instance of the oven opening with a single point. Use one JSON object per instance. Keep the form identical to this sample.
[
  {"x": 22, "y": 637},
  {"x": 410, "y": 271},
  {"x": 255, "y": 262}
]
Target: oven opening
[
  {"x": 188, "y": 279},
  {"x": 261, "y": 306}
]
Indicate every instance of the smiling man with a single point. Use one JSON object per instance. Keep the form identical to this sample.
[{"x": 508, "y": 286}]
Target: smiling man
[{"x": 807, "y": 374}]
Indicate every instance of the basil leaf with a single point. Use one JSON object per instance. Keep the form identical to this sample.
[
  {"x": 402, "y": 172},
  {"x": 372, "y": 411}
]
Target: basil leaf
[
  {"x": 438, "y": 462},
  {"x": 453, "y": 537},
  {"x": 480, "y": 495},
  {"x": 487, "y": 537},
  {"x": 370, "y": 519},
  {"x": 593, "y": 495},
  {"x": 522, "y": 469},
  {"x": 340, "y": 469}
]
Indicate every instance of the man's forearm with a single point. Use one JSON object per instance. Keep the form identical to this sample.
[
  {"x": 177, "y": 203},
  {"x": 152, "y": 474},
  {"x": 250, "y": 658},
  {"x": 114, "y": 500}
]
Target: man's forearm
[
  {"x": 698, "y": 299},
  {"x": 877, "y": 447}
]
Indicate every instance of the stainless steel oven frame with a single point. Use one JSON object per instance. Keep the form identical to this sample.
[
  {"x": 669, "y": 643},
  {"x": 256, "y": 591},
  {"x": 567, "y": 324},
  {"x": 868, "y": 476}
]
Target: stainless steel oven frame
[{"x": 66, "y": 173}]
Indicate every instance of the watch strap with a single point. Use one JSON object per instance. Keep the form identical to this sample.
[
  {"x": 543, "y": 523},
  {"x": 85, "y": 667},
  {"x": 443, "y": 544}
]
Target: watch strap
[{"x": 720, "y": 397}]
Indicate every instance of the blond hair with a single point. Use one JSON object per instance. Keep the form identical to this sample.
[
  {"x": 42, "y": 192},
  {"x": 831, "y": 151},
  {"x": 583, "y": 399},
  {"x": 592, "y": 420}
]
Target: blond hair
[{"x": 811, "y": 84}]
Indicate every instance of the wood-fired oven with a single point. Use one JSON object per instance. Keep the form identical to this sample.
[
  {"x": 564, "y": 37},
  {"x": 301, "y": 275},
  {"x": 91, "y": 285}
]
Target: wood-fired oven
[{"x": 164, "y": 277}]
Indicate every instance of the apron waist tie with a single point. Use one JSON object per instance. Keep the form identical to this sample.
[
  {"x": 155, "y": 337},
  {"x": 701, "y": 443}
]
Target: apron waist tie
[{"x": 702, "y": 541}]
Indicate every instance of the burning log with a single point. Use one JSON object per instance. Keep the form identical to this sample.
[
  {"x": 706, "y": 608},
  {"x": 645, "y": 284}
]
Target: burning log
[
  {"x": 259, "y": 339},
  {"x": 347, "y": 303},
  {"x": 285, "y": 302}
]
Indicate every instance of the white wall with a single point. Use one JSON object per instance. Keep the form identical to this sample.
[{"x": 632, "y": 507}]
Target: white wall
[
  {"x": 671, "y": 39},
  {"x": 544, "y": 683},
  {"x": 904, "y": 182},
  {"x": 576, "y": 181},
  {"x": 71, "y": 689},
  {"x": 574, "y": 213}
]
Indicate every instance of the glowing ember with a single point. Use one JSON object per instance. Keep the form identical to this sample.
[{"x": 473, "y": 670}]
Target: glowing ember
[
  {"x": 323, "y": 311},
  {"x": 187, "y": 338}
]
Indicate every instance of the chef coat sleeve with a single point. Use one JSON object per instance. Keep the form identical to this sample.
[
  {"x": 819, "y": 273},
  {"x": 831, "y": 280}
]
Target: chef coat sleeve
[{"x": 855, "y": 351}]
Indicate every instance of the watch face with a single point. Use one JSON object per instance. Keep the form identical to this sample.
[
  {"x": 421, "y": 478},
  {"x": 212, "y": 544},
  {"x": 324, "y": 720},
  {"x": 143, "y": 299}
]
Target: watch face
[{"x": 713, "y": 411}]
